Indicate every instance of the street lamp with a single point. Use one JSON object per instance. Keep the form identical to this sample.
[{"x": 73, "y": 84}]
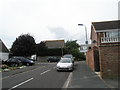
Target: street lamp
[{"x": 86, "y": 42}]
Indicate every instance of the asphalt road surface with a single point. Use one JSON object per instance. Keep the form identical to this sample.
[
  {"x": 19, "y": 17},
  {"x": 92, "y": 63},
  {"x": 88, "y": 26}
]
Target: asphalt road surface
[{"x": 43, "y": 76}]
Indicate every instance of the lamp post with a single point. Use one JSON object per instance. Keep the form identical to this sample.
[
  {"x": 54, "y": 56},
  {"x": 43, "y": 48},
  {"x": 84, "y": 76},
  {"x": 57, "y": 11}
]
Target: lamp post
[{"x": 86, "y": 42}]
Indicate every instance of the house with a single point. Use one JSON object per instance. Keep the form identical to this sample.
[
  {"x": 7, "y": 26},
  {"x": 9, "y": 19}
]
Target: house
[
  {"x": 4, "y": 52},
  {"x": 54, "y": 48},
  {"x": 84, "y": 47},
  {"x": 55, "y": 44},
  {"x": 103, "y": 55}
]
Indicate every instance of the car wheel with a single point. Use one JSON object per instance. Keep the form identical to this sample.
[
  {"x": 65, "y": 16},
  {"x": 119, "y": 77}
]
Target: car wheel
[
  {"x": 14, "y": 65},
  {"x": 27, "y": 64},
  {"x": 20, "y": 64}
]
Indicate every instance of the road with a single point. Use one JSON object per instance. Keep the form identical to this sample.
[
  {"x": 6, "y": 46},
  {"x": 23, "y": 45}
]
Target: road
[{"x": 43, "y": 76}]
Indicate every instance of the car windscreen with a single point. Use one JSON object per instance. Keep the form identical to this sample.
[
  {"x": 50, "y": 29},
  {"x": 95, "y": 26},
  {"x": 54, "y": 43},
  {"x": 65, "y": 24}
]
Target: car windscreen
[
  {"x": 67, "y": 56},
  {"x": 11, "y": 60},
  {"x": 25, "y": 60},
  {"x": 65, "y": 61}
]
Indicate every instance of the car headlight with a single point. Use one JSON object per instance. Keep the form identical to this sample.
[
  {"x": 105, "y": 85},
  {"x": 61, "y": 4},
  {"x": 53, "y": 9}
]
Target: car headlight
[{"x": 31, "y": 61}]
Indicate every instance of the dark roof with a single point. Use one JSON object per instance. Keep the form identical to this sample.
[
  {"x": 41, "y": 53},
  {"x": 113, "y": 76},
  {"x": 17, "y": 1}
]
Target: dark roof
[
  {"x": 3, "y": 48},
  {"x": 106, "y": 25},
  {"x": 54, "y": 43}
]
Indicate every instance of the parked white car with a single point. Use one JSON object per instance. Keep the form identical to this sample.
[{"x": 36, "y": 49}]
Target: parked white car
[
  {"x": 65, "y": 64},
  {"x": 69, "y": 56}
]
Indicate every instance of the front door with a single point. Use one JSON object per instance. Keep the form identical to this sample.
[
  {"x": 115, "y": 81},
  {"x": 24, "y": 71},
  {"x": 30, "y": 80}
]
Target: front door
[{"x": 96, "y": 58}]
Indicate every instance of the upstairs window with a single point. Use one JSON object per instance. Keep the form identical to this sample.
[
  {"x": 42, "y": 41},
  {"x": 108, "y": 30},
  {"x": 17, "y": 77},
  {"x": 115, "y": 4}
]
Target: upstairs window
[{"x": 112, "y": 34}]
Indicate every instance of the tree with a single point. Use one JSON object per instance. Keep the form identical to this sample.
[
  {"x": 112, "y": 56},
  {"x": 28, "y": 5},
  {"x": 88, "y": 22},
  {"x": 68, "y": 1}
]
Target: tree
[
  {"x": 41, "y": 48},
  {"x": 24, "y": 45},
  {"x": 72, "y": 47}
]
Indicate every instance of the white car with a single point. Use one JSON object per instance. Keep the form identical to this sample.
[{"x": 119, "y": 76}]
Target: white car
[
  {"x": 69, "y": 56},
  {"x": 65, "y": 64}
]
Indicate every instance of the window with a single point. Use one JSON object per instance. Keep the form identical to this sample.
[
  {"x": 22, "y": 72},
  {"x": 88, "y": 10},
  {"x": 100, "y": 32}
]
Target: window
[
  {"x": 111, "y": 34},
  {"x": 109, "y": 37}
]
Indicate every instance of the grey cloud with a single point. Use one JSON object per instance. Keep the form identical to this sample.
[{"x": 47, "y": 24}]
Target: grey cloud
[{"x": 59, "y": 32}]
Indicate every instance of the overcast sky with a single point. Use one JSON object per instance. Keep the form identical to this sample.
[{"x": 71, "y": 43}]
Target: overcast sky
[{"x": 53, "y": 19}]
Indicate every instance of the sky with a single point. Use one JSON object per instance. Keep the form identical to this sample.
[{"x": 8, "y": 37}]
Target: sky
[{"x": 53, "y": 19}]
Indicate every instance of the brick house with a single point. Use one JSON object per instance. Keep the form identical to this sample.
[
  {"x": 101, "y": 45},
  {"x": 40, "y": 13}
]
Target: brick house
[
  {"x": 103, "y": 55},
  {"x": 84, "y": 48}
]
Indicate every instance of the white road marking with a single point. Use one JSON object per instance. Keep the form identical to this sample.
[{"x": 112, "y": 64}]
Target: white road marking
[
  {"x": 44, "y": 72},
  {"x": 67, "y": 81},
  {"x": 21, "y": 73},
  {"x": 21, "y": 84}
]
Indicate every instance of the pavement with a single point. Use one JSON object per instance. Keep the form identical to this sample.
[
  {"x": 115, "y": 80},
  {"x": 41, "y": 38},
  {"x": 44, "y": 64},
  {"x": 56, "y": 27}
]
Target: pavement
[
  {"x": 84, "y": 77},
  {"x": 112, "y": 83}
]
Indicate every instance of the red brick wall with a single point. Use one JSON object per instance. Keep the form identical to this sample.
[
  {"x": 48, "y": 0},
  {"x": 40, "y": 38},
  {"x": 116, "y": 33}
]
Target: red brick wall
[
  {"x": 109, "y": 60},
  {"x": 90, "y": 59}
]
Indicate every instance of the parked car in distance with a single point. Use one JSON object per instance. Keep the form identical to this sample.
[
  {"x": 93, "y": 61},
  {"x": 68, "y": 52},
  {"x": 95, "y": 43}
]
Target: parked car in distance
[
  {"x": 69, "y": 56},
  {"x": 53, "y": 59},
  {"x": 17, "y": 61},
  {"x": 25, "y": 61},
  {"x": 65, "y": 64},
  {"x": 12, "y": 62},
  {"x": 34, "y": 57}
]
